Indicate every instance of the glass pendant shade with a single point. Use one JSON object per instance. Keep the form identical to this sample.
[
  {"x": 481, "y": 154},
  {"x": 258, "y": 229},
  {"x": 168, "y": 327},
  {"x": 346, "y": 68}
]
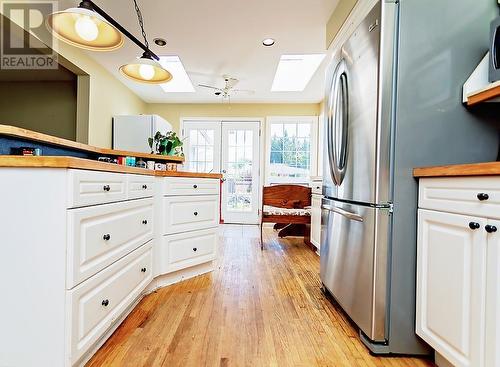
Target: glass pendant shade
[
  {"x": 146, "y": 70},
  {"x": 84, "y": 28}
]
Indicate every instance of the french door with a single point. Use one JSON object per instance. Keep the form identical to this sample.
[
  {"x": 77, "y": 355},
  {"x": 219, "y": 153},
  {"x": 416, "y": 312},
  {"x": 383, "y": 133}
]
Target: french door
[{"x": 231, "y": 148}]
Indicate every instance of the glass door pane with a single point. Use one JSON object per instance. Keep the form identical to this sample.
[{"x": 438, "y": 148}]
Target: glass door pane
[
  {"x": 202, "y": 146},
  {"x": 240, "y": 166}
]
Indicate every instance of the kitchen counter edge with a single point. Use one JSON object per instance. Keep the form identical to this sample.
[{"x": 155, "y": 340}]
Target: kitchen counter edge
[{"x": 87, "y": 164}]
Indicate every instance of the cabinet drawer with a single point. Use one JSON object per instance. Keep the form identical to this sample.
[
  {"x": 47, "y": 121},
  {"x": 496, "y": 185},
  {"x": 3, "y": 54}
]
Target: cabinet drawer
[
  {"x": 96, "y": 303},
  {"x": 180, "y": 251},
  {"x": 140, "y": 186},
  {"x": 100, "y": 235},
  {"x": 479, "y": 196},
  {"x": 188, "y": 213},
  {"x": 190, "y": 186},
  {"x": 90, "y": 188}
]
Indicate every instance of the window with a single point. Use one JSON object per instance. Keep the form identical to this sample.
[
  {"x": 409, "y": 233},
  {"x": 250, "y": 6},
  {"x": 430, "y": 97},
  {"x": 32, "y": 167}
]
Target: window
[{"x": 291, "y": 148}]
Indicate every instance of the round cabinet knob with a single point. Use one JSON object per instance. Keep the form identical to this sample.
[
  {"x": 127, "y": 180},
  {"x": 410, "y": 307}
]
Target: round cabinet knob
[
  {"x": 144, "y": 187},
  {"x": 474, "y": 225},
  {"x": 195, "y": 249},
  {"x": 490, "y": 229},
  {"x": 106, "y": 237},
  {"x": 195, "y": 186},
  {"x": 144, "y": 221},
  {"x": 195, "y": 213},
  {"x": 105, "y": 302},
  {"x": 106, "y": 188},
  {"x": 143, "y": 270},
  {"x": 482, "y": 196}
]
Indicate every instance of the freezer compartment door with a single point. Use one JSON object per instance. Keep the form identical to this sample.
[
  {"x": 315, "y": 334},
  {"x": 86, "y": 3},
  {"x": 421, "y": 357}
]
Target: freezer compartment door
[
  {"x": 354, "y": 262},
  {"x": 131, "y": 133}
]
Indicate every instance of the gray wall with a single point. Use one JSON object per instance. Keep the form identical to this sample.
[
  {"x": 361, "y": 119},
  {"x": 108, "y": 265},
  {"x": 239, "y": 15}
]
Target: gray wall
[{"x": 44, "y": 106}]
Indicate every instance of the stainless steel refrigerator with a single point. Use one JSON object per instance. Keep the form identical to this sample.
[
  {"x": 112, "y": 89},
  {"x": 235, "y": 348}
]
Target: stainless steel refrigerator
[{"x": 393, "y": 103}]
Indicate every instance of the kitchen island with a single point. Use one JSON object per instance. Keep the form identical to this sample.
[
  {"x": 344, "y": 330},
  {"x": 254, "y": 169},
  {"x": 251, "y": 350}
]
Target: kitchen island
[{"x": 83, "y": 241}]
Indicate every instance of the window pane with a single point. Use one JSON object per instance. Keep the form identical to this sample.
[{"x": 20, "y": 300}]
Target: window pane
[
  {"x": 240, "y": 139},
  {"x": 290, "y": 156},
  {"x": 232, "y": 137},
  {"x": 276, "y": 143},
  {"x": 290, "y": 129},
  {"x": 248, "y": 137},
  {"x": 304, "y": 130},
  {"x": 289, "y": 143},
  {"x": 193, "y": 137},
  {"x": 277, "y": 130}
]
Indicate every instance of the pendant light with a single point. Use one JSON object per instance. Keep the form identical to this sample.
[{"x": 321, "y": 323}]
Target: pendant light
[
  {"x": 83, "y": 27},
  {"x": 145, "y": 69}
]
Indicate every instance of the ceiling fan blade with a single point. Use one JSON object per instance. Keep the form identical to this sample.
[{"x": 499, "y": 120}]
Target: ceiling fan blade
[
  {"x": 209, "y": 87},
  {"x": 243, "y": 91}
]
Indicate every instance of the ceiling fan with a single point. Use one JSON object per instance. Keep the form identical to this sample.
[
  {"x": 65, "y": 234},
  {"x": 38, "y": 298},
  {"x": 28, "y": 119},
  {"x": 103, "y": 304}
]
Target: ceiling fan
[{"x": 228, "y": 89}]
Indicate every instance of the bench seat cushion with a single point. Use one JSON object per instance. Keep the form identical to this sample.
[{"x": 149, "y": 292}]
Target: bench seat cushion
[{"x": 272, "y": 210}]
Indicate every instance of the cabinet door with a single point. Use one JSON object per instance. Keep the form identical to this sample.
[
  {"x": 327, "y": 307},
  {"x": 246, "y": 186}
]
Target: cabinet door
[
  {"x": 316, "y": 220},
  {"x": 493, "y": 297},
  {"x": 451, "y": 280}
]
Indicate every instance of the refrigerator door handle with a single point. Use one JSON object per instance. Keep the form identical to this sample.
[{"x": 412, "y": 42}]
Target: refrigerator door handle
[
  {"x": 330, "y": 121},
  {"x": 345, "y": 213},
  {"x": 338, "y": 136}
]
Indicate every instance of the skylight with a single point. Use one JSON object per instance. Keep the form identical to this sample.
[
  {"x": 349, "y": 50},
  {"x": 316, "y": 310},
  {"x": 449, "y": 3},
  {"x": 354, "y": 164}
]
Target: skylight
[
  {"x": 295, "y": 71},
  {"x": 180, "y": 82}
]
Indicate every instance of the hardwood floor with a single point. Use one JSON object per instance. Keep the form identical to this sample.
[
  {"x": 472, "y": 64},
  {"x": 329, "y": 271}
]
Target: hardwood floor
[{"x": 256, "y": 309}]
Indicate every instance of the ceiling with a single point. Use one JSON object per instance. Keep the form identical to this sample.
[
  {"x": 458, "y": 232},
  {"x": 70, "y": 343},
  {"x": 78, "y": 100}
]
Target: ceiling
[{"x": 223, "y": 37}]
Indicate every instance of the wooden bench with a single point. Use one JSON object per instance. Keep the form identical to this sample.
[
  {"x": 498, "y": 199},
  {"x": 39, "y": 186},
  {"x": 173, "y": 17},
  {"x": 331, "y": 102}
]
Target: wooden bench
[{"x": 287, "y": 205}]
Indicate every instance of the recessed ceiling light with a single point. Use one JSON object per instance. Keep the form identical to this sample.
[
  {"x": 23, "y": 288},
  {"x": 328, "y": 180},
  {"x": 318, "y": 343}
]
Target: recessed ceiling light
[
  {"x": 160, "y": 41},
  {"x": 295, "y": 71},
  {"x": 180, "y": 82},
  {"x": 268, "y": 42}
]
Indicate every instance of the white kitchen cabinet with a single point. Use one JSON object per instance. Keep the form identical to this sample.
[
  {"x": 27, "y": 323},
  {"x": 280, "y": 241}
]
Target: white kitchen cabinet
[
  {"x": 458, "y": 267},
  {"x": 79, "y": 247},
  {"x": 316, "y": 189},
  {"x": 450, "y": 294},
  {"x": 316, "y": 220},
  {"x": 493, "y": 297}
]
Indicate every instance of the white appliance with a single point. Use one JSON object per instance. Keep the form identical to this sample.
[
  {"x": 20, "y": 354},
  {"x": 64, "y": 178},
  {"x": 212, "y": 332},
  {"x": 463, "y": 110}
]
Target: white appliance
[{"x": 131, "y": 132}]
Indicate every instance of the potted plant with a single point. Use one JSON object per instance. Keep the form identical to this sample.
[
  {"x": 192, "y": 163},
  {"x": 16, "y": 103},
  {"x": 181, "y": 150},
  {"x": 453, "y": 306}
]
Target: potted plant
[{"x": 168, "y": 144}]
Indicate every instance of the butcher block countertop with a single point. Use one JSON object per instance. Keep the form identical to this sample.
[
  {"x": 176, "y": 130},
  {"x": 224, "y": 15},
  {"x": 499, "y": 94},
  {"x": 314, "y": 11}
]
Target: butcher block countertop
[
  {"x": 87, "y": 164},
  {"x": 34, "y": 136},
  {"x": 475, "y": 169}
]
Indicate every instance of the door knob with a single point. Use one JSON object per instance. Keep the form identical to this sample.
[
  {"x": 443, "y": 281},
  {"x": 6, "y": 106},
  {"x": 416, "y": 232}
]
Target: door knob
[
  {"x": 105, "y": 302},
  {"x": 144, "y": 221},
  {"x": 474, "y": 225},
  {"x": 482, "y": 196},
  {"x": 490, "y": 229},
  {"x": 143, "y": 270},
  {"x": 106, "y": 237}
]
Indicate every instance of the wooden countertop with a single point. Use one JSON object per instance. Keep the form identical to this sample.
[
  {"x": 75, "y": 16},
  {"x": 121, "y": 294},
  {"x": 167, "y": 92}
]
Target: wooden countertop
[
  {"x": 20, "y": 133},
  {"x": 87, "y": 164},
  {"x": 475, "y": 169}
]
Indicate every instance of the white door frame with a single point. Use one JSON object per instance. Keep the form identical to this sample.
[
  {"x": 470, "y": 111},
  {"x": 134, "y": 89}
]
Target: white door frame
[{"x": 262, "y": 137}]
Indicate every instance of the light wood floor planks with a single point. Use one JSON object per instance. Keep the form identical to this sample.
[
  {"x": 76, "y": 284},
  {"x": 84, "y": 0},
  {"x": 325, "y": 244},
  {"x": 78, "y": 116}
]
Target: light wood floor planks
[{"x": 256, "y": 309}]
